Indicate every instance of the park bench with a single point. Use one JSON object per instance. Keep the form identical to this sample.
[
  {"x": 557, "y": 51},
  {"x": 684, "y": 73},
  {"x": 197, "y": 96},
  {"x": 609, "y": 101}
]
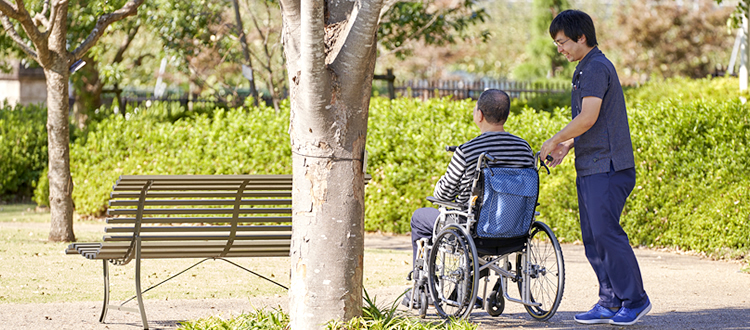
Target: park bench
[{"x": 212, "y": 217}]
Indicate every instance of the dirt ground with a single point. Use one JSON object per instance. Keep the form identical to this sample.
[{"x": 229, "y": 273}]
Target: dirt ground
[{"x": 687, "y": 292}]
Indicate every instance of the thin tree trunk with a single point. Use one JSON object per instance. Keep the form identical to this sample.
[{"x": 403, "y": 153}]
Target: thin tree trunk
[
  {"x": 249, "y": 75},
  {"x": 89, "y": 97},
  {"x": 58, "y": 132},
  {"x": 60, "y": 181}
]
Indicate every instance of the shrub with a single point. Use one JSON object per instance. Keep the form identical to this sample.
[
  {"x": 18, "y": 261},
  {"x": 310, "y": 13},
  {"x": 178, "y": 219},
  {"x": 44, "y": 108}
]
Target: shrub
[
  {"x": 693, "y": 186},
  {"x": 23, "y": 149},
  {"x": 237, "y": 141}
]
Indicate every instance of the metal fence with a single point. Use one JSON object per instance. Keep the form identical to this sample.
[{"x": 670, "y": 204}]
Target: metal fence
[
  {"x": 137, "y": 96},
  {"x": 422, "y": 89},
  {"x": 459, "y": 89}
]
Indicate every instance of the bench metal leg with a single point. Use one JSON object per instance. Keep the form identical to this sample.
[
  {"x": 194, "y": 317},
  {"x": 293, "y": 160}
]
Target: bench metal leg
[
  {"x": 138, "y": 283},
  {"x": 106, "y": 291}
]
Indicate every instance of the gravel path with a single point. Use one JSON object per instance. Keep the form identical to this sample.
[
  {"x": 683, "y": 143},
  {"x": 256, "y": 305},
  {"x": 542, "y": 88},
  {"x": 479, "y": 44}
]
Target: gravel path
[{"x": 687, "y": 292}]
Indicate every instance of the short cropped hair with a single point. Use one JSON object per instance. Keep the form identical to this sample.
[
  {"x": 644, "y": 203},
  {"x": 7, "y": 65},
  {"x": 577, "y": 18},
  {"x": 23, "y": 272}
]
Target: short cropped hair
[
  {"x": 574, "y": 23},
  {"x": 494, "y": 105}
]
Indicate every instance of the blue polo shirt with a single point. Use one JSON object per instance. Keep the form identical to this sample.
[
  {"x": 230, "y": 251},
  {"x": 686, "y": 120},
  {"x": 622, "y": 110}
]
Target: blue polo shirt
[{"x": 608, "y": 141}]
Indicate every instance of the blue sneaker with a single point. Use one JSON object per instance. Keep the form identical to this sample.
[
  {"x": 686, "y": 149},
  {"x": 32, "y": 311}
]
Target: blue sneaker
[
  {"x": 628, "y": 316},
  {"x": 596, "y": 315}
]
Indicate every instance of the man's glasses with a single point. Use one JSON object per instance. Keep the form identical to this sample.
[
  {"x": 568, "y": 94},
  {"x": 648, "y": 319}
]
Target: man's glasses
[{"x": 559, "y": 44}]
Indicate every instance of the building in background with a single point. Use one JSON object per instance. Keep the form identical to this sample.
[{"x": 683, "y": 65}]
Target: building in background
[{"x": 23, "y": 85}]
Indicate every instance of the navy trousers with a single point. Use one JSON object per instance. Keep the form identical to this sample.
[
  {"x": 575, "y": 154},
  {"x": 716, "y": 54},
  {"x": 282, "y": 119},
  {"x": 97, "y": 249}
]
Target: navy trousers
[
  {"x": 601, "y": 199},
  {"x": 422, "y": 223}
]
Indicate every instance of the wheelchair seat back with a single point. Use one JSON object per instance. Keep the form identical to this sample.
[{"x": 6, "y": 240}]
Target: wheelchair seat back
[{"x": 508, "y": 202}]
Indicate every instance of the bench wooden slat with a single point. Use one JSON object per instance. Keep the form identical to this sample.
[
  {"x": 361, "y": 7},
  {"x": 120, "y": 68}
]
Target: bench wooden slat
[
  {"x": 258, "y": 210},
  {"x": 214, "y": 250},
  {"x": 204, "y": 194},
  {"x": 178, "y": 250},
  {"x": 181, "y": 244},
  {"x": 196, "y": 229},
  {"x": 276, "y": 177},
  {"x": 150, "y": 220},
  {"x": 203, "y": 188},
  {"x": 197, "y": 237},
  {"x": 173, "y": 202},
  {"x": 158, "y": 255},
  {"x": 213, "y": 177},
  {"x": 220, "y": 182}
]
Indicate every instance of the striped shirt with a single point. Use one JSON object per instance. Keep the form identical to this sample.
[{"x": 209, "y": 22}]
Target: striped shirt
[{"x": 508, "y": 150}]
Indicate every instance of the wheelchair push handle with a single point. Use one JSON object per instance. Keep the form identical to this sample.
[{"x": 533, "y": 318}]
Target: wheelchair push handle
[
  {"x": 549, "y": 158},
  {"x": 451, "y": 148}
]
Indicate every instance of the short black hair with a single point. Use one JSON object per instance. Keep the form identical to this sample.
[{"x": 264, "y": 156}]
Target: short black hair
[
  {"x": 494, "y": 105},
  {"x": 574, "y": 23}
]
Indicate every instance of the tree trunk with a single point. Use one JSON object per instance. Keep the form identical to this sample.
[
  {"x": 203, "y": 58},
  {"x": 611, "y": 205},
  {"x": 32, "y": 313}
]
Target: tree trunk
[
  {"x": 330, "y": 66},
  {"x": 89, "y": 96},
  {"x": 248, "y": 74},
  {"x": 56, "y": 70},
  {"x": 58, "y": 136}
]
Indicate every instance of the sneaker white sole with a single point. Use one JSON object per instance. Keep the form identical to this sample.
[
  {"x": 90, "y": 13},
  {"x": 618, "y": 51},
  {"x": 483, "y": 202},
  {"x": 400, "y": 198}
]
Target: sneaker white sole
[
  {"x": 643, "y": 312},
  {"x": 593, "y": 321}
]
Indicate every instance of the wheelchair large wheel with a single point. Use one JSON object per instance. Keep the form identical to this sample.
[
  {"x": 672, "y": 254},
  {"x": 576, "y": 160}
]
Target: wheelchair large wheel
[
  {"x": 451, "y": 274},
  {"x": 544, "y": 262}
]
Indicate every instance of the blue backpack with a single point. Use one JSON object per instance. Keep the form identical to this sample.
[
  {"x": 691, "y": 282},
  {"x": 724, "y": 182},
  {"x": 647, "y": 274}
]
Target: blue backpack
[{"x": 508, "y": 202}]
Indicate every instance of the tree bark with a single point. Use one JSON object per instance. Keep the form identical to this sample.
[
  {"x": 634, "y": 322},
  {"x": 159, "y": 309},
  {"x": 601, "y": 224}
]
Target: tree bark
[
  {"x": 89, "y": 96},
  {"x": 330, "y": 67},
  {"x": 58, "y": 136},
  {"x": 58, "y": 132}
]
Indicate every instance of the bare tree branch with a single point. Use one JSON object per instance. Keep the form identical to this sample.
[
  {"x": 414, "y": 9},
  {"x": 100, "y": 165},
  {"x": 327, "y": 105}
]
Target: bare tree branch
[
  {"x": 54, "y": 11},
  {"x": 125, "y": 44},
  {"x": 11, "y": 31},
  {"x": 257, "y": 58},
  {"x": 257, "y": 26},
  {"x": 387, "y": 4},
  {"x": 412, "y": 36},
  {"x": 129, "y": 9},
  {"x": 8, "y": 9},
  {"x": 290, "y": 35},
  {"x": 41, "y": 18},
  {"x": 315, "y": 81},
  {"x": 45, "y": 8},
  {"x": 20, "y": 14},
  {"x": 361, "y": 32}
]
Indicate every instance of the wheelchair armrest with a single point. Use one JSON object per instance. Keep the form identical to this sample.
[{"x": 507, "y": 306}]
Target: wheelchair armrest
[{"x": 446, "y": 204}]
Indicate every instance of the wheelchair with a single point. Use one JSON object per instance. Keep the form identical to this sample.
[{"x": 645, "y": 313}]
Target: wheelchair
[{"x": 450, "y": 266}]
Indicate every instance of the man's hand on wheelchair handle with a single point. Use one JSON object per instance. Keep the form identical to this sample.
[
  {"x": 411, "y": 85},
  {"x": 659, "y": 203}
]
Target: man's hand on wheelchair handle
[{"x": 558, "y": 152}]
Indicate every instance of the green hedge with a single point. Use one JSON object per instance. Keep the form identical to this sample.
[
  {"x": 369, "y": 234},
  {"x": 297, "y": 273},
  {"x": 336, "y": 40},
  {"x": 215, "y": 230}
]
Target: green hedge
[
  {"x": 691, "y": 139},
  {"x": 237, "y": 141},
  {"x": 23, "y": 149}
]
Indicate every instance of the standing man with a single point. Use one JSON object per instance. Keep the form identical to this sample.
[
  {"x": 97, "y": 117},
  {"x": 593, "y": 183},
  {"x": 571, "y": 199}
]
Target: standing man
[{"x": 605, "y": 170}]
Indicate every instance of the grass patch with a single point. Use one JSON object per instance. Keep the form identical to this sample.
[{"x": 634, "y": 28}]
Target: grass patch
[{"x": 23, "y": 213}]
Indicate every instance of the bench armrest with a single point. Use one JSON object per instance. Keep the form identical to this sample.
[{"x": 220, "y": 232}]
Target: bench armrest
[{"x": 452, "y": 205}]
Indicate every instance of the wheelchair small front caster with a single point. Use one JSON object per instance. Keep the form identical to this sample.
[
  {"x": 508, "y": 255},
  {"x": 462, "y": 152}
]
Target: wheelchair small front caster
[
  {"x": 422, "y": 304},
  {"x": 495, "y": 304}
]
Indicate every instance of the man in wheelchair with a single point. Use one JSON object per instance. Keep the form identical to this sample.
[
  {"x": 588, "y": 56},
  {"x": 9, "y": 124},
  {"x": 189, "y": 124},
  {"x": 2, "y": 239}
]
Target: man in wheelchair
[{"x": 489, "y": 114}]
